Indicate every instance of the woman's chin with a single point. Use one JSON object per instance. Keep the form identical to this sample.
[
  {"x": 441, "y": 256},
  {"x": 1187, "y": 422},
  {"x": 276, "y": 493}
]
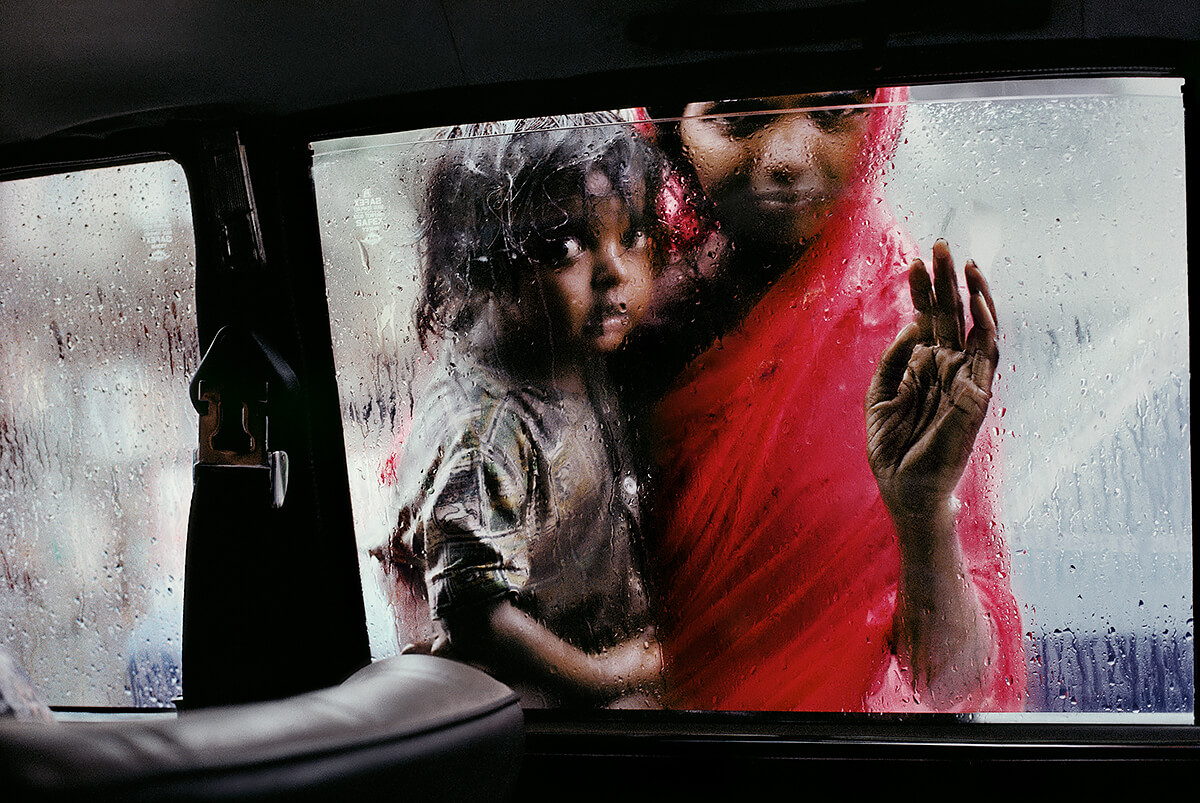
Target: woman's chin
[{"x": 771, "y": 234}]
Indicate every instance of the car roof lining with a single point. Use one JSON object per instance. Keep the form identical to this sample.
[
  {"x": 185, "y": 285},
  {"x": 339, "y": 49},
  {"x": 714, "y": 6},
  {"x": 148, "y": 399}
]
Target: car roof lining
[{"x": 111, "y": 65}]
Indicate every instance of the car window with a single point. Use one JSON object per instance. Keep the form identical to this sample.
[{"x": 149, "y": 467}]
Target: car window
[
  {"x": 1070, "y": 197},
  {"x": 99, "y": 342},
  {"x": 1097, "y": 499}
]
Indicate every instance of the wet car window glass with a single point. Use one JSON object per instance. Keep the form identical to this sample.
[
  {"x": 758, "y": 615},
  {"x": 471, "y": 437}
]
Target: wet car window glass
[
  {"x": 1075, "y": 507},
  {"x": 99, "y": 342}
]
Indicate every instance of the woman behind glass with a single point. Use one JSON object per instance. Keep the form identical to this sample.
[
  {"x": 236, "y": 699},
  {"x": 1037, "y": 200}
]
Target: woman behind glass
[{"x": 806, "y": 559}]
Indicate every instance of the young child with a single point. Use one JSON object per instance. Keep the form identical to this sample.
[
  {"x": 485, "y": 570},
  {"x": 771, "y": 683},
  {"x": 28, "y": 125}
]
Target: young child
[{"x": 521, "y": 496}]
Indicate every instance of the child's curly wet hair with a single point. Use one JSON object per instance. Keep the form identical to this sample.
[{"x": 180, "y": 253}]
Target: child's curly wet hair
[{"x": 499, "y": 193}]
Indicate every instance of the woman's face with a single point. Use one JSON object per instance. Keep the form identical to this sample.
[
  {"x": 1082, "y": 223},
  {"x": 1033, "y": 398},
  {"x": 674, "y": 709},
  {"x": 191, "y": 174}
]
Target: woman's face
[{"x": 775, "y": 167}]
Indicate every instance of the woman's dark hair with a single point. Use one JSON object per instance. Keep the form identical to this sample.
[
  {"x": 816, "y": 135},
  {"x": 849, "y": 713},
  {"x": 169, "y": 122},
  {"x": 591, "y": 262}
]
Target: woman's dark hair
[{"x": 497, "y": 195}]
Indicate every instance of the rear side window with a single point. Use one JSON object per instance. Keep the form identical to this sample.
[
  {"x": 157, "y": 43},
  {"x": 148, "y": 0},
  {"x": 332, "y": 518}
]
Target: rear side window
[
  {"x": 98, "y": 341},
  {"x": 1070, "y": 197}
]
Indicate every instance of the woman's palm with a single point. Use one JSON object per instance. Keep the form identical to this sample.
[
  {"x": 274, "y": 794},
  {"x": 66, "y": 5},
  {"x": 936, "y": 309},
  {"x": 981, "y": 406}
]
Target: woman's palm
[{"x": 931, "y": 390}]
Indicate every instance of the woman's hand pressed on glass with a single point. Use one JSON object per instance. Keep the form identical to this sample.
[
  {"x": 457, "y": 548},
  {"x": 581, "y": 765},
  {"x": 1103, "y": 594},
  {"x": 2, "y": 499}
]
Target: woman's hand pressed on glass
[
  {"x": 931, "y": 391},
  {"x": 925, "y": 406}
]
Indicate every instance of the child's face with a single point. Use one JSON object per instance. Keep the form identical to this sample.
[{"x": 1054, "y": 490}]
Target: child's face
[{"x": 591, "y": 283}]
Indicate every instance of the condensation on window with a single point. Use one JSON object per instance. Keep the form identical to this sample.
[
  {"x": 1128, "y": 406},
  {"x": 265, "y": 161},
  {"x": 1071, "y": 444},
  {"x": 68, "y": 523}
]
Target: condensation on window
[
  {"x": 98, "y": 342},
  {"x": 368, "y": 195},
  {"x": 1070, "y": 195}
]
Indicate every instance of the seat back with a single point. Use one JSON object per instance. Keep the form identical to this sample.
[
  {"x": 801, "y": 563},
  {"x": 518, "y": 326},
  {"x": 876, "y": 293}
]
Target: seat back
[{"x": 414, "y": 725}]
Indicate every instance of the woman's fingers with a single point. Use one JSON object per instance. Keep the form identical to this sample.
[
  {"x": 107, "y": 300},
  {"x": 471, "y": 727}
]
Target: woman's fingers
[
  {"x": 941, "y": 319},
  {"x": 893, "y": 365},
  {"x": 976, "y": 283},
  {"x": 982, "y": 344},
  {"x": 940, "y": 312},
  {"x": 921, "y": 290},
  {"x": 948, "y": 324}
]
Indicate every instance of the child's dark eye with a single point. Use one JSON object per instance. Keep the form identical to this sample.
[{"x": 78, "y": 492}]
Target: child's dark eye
[
  {"x": 555, "y": 252},
  {"x": 572, "y": 249}
]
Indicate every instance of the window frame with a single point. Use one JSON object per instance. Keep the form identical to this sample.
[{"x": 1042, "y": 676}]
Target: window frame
[
  {"x": 568, "y": 744},
  {"x": 561, "y": 745}
]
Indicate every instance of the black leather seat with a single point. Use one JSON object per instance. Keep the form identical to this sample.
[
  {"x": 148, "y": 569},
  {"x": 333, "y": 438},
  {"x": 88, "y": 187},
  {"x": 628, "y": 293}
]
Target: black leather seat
[{"x": 412, "y": 727}]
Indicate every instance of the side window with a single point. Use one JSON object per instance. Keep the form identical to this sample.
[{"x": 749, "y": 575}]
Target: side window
[
  {"x": 785, "y": 228},
  {"x": 98, "y": 341},
  {"x": 1074, "y": 205}
]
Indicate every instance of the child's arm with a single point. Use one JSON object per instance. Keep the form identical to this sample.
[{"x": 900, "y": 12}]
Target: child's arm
[{"x": 511, "y": 643}]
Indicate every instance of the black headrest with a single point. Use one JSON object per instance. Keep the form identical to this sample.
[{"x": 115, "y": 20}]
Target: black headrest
[{"x": 426, "y": 727}]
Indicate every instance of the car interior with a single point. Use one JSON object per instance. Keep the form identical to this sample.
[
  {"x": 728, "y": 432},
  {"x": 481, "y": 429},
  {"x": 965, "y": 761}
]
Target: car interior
[{"x": 210, "y": 220}]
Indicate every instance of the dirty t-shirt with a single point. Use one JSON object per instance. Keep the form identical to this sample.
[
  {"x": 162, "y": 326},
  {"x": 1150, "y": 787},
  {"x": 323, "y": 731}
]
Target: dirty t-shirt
[{"x": 525, "y": 492}]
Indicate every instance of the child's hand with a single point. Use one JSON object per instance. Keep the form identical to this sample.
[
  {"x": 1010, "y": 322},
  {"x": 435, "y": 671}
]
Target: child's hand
[
  {"x": 439, "y": 645},
  {"x": 511, "y": 644}
]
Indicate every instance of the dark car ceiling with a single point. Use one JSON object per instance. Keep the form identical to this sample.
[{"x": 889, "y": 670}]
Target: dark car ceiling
[{"x": 104, "y": 64}]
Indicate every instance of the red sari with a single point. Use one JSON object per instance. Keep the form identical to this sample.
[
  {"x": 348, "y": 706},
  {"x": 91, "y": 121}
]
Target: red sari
[{"x": 775, "y": 556}]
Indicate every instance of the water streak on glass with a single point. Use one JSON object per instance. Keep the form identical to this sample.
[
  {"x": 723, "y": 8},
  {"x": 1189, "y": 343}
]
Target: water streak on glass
[{"x": 98, "y": 342}]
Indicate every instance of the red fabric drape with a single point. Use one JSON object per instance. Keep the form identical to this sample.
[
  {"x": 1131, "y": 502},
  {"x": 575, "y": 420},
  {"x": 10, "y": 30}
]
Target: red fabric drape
[{"x": 774, "y": 554}]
